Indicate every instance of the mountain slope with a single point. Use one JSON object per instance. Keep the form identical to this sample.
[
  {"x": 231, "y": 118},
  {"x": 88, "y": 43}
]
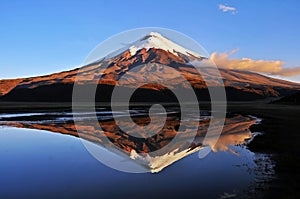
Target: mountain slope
[
  {"x": 151, "y": 53},
  {"x": 293, "y": 99}
]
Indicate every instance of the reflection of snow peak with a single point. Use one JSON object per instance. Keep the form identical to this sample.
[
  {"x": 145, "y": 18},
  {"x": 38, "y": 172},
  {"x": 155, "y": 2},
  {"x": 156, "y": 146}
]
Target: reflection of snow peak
[
  {"x": 156, "y": 40},
  {"x": 158, "y": 163}
]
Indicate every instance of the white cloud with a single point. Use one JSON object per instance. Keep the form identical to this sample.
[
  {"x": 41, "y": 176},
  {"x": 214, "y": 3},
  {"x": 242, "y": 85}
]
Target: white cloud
[{"x": 226, "y": 8}]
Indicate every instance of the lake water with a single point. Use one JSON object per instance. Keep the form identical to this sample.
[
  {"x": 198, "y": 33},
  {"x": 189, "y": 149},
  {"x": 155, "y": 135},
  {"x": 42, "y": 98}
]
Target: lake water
[{"x": 39, "y": 163}]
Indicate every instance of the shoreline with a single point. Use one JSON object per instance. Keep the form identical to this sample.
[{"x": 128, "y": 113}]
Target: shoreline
[{"x": 280, "y": 131}]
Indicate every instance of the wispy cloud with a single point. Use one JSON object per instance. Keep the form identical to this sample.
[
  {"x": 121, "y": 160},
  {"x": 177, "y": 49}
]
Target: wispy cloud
[
  {"x": 226, "y": 8},
  {"x": 270, "y": 67}
]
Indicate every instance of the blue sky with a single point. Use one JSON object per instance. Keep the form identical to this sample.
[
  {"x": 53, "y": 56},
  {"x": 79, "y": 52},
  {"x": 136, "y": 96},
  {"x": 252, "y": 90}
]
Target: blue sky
[{"x": 41, "y": 37}]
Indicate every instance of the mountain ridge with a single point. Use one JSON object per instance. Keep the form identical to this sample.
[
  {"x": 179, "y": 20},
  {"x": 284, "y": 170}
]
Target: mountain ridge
[{"x": 151, "y": 58}]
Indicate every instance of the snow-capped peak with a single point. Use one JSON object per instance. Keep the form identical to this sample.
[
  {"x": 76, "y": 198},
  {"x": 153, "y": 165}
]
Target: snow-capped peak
[
  {"x": 155, "y": 34},
  {"x": 156, "y": 40}
]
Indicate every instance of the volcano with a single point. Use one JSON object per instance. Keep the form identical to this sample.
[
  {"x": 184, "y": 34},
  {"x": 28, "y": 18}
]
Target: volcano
[{"x": 152, "y": 52}]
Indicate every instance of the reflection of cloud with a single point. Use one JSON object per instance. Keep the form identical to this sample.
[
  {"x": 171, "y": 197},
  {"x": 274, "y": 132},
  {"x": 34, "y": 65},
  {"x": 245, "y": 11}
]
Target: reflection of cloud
[
  {"x": 225, "y": 141},
  {"x": 226, "y": 8},
  {"x": 270, "y": 67}
]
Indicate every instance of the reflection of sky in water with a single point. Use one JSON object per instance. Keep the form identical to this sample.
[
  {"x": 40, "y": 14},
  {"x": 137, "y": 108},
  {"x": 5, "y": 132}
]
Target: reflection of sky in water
[
  {"x": 35, "y": 163},
  {"x": 57, "y": 117}
]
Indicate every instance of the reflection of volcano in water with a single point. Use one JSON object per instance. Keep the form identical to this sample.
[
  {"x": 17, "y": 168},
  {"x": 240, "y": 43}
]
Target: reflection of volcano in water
[{"x": 144, "y": 150}]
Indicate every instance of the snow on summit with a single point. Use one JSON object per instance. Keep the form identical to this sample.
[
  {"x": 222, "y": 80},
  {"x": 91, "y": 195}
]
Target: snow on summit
[{"x": 156, "y": 40}]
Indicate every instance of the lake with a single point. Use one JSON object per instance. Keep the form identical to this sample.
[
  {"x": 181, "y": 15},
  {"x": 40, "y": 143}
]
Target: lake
[{"x": 42, "y": 157}]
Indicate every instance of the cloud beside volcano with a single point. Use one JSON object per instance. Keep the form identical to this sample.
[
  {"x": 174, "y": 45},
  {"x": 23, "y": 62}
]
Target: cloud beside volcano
[{"x": 270, "y": 67}]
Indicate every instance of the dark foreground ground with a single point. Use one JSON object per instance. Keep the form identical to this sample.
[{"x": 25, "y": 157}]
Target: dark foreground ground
[
  {"x": 281, "y": 137},
  {"x": 281, "y": 127}
]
